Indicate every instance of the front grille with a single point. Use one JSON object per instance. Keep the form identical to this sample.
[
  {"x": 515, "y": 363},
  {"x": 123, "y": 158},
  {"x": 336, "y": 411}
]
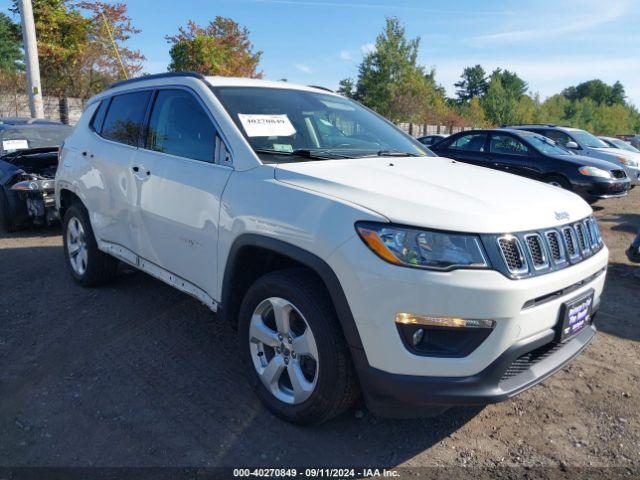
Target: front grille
[
  {"x": 618, "y": 174},
  {"x": 534, "y": 244},
  {"x": 526, "y": 361},
  {"x": 512, "y": 253},
  {"x": 537, "y": 252},
  {"x": 555, "y": 247},
  {"x": 582, "y": 241},
  {"x": 570, "y": 242}
]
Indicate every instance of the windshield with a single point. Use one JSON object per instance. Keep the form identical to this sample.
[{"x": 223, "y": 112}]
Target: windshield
[
  {"x": 621, "y": 144},
  {"x": 546, "y": 145},
  {"x": 588, "y": 140},
  {"x": 287, "y": 125},
  {"x": 20, "y": 138}
]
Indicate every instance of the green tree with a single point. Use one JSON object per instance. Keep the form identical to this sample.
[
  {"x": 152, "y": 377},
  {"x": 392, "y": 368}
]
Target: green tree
[
  {"x": 11, "y": 56},
  {"x": 513, "y": 85},
  {"x": 221, "y": 48},
  {"x": 473, "y": 83},
  {"x": 391, "y": 82},
  {"x": 597, "y": 91},
  {"x": 347, "y": 87},
  {"x": 473, "y": 113},
  {"x": 499, "y": 106},
  {"x": 62, "y": 33}
]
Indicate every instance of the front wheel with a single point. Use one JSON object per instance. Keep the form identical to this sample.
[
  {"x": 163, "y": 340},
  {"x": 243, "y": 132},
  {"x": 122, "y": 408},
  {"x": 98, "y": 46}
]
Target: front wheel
[
  {"x": 557, "y": 181},
  {"x": 295, "y": 355}
]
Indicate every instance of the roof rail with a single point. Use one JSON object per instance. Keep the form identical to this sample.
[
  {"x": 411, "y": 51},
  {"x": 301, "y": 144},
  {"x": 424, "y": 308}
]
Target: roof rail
[
  {"x": 157, "y": 75},
  {"x": 321, "y": 88}
]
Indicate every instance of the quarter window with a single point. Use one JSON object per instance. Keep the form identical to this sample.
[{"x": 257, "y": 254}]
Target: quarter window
[
  {"x": 98, "y": 117},
  {"x": 473, "y": 142},
  {"x": 180, "y": 126},
  {"x": 507, "y": 145},
  {"x": 125, "y": 116}
]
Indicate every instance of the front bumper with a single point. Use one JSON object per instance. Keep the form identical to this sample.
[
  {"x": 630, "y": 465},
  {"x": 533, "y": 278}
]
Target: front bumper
[
  {"x": 519, "y": 368},
  {"x": 602, "y": 188},
  {"x": 525, "y": 311}
]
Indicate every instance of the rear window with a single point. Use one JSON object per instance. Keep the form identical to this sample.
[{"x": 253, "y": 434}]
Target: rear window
[{"x": 125, "y": 117}]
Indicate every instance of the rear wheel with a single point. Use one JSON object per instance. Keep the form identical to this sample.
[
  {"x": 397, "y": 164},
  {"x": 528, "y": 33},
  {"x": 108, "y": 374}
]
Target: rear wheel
[
  {"x": 295, "y": 355},
  {"x": 88, "y": 265}
]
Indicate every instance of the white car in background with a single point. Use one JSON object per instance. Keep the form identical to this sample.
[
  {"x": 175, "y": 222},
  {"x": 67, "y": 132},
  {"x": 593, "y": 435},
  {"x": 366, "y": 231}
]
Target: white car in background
[
  {"x": 584, "y": 143},
  {"x": 614, "y": 142}
]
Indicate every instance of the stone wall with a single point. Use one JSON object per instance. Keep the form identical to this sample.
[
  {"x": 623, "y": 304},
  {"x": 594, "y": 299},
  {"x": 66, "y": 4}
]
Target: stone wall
[{"x": 17, "y": 105}]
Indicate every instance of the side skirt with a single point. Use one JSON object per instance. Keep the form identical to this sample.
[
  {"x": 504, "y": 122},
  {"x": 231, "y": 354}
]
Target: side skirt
[{"x": 127, "y": 256}]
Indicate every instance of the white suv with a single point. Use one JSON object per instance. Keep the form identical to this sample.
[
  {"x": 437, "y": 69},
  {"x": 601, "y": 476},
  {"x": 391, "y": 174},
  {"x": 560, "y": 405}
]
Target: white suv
[{"x": 350, "y": 258}]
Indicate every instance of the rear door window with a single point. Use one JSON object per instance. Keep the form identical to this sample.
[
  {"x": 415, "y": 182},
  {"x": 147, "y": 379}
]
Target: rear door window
[
  {"x": 125, "y": 117},
  {"x": 473, "y": 142},
  {"x": 180, "y": 126},
  {"x": 507, "y": 145}
]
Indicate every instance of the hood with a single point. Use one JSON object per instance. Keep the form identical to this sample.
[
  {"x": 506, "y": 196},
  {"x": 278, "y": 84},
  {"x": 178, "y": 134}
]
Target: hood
[
  {"x": 618, "y": 152},
  {"x": 439, "y": 193},
  {"x": 584, "y": 161}
]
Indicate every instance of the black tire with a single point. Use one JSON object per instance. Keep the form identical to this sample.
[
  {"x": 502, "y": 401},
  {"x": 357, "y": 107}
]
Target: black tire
[
  {"x": 100, "y": 267},
  {"x": 336, "y": 388},
  {"x": 558, "y": 181},
  {"x": 6, "y": 222}
]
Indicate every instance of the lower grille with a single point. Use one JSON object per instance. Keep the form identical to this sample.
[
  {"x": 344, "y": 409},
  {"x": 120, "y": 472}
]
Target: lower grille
[{"x": 529, "y": 359}]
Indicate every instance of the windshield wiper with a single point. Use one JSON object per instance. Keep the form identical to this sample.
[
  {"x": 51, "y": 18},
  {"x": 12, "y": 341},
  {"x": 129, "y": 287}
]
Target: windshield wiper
[
  {"x": 318, "y": 154},
  {"x": 395, "y": 153}
]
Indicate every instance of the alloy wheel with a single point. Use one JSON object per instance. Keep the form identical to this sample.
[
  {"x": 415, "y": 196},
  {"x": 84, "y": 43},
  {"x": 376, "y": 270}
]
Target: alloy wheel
[
  {"x": 77, "y": 246},
  {"x": 283, "y": 350}
]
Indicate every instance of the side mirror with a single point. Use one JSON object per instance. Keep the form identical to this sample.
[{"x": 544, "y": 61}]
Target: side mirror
[{"x": 572, "y": 145}]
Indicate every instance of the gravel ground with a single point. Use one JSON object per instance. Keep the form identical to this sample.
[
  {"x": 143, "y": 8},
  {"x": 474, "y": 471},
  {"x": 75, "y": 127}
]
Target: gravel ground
[{"x": 138, "y": 374}]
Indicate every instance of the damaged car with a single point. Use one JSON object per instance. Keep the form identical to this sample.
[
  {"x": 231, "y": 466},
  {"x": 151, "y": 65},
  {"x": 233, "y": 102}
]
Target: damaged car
[{"x": 28, "y": 164}]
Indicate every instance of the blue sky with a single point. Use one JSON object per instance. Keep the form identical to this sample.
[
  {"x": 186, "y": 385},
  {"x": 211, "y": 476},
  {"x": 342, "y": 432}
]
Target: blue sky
[{"x": 549, "y": 43}]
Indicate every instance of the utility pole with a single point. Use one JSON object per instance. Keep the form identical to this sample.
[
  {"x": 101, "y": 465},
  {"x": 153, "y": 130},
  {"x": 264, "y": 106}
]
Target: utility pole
[{"x": 31, "y": 57}]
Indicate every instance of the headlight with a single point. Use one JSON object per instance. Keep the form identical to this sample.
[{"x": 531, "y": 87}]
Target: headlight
[
  {"x": 594, "y": 172},
  {"x": 422, "y": 248},
  {"x": 628, "y": 161}
]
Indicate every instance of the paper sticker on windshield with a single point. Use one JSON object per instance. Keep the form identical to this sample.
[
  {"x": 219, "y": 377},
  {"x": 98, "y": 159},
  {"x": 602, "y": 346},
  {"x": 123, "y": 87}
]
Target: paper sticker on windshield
[
  {"x": 12, "y": 145},
  {"x": 283, "y": 147},
  {"x": 266, "y": 125}
]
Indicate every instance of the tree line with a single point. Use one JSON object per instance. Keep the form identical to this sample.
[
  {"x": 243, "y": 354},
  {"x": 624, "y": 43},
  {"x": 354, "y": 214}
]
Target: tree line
[
  {"x": 391, "y": 81},
  {"x": 77, "y": 58}
]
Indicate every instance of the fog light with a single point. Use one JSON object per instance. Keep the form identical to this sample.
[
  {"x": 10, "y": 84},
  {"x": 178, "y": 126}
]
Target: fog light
[
  {"x": 431, "y": 336},
  {"x": 417, "y": 336},
  {"x": 446, "y": 322}
]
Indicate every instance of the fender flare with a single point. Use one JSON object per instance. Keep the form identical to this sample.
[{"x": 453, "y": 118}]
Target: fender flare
[{"x": 309, "y": 260}]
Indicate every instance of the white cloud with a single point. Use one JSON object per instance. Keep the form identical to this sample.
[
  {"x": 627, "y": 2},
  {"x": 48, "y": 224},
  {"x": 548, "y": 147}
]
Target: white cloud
[
  {"x": 367, "y": 48},
  {"x": 304, "y": 68},
  {"x": 546, "y": 28},
  {"x": 345, "y": 55}
]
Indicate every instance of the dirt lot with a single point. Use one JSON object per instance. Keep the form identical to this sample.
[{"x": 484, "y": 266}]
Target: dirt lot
[{"x": 138, "y": 374}]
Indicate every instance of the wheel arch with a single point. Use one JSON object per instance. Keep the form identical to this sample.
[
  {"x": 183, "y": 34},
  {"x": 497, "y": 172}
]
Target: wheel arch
[
  {"x": 253, "y": 255},
  {"x": 67, "y": 198}
]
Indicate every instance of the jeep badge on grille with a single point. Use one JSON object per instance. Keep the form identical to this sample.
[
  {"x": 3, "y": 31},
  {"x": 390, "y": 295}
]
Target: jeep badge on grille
[{"x": 562, "y": 215}]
